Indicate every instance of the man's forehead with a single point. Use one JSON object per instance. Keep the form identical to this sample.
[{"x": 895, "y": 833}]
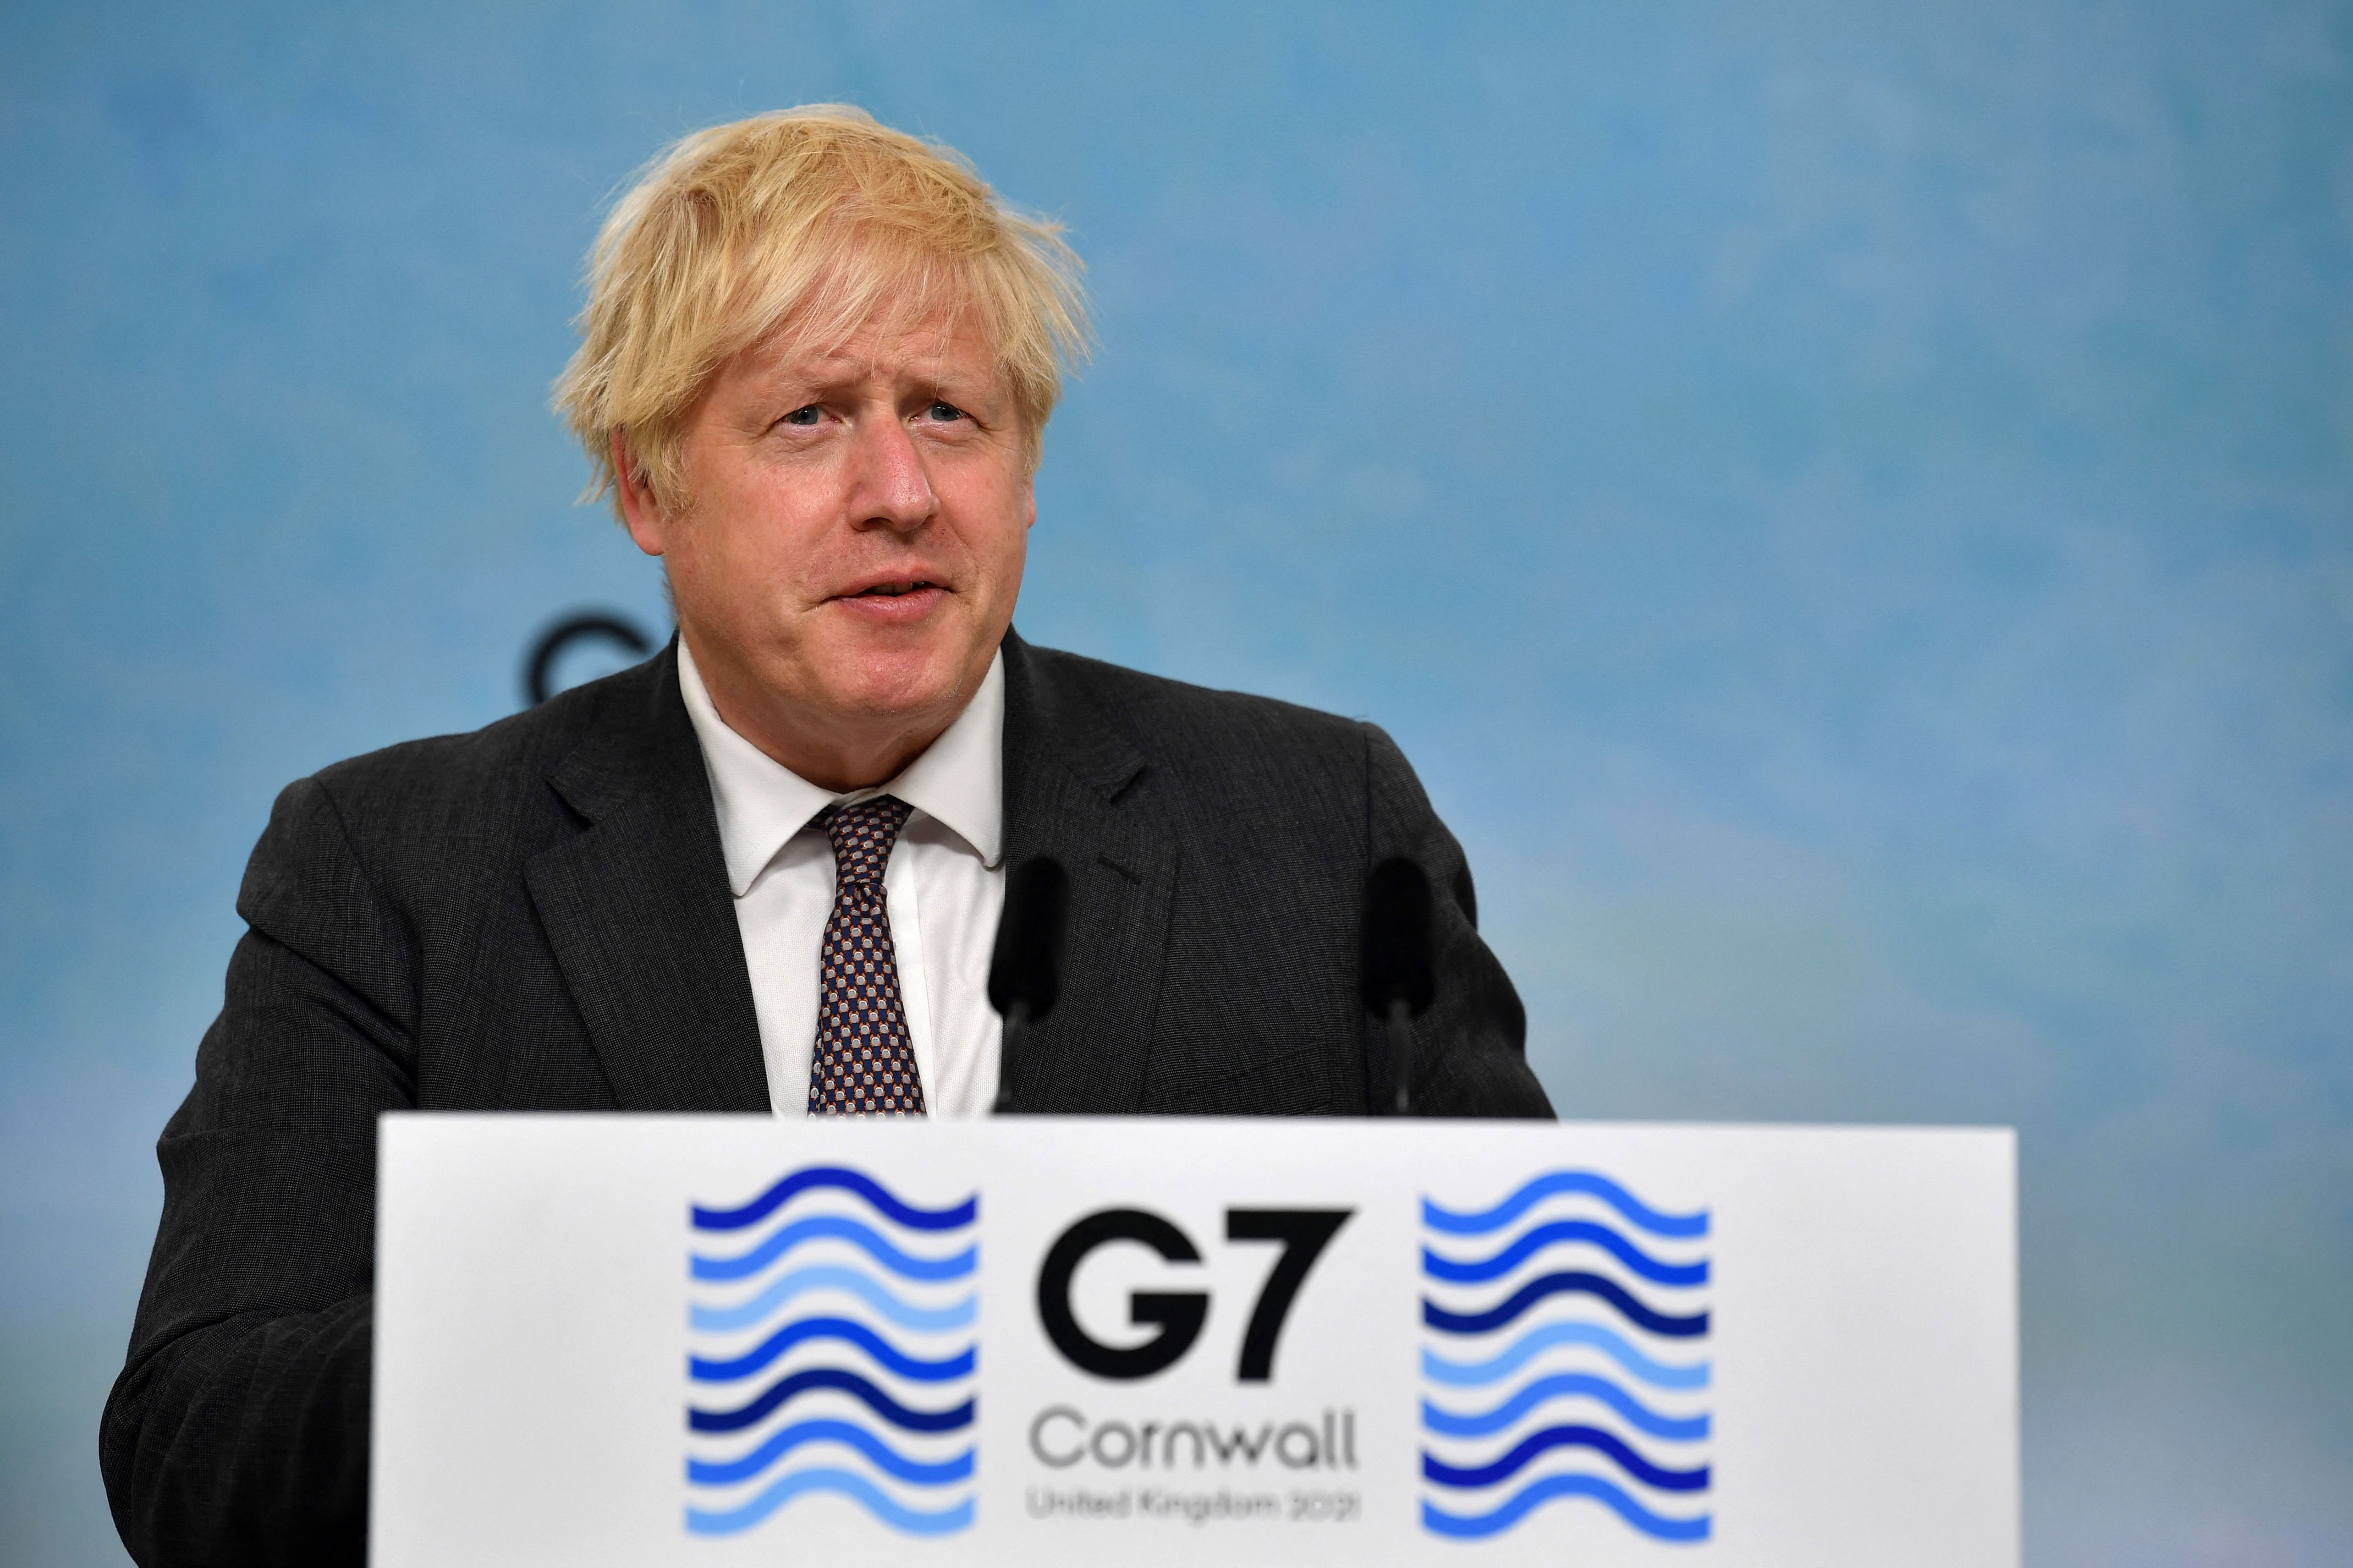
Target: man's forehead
[{"x": 940, "y": 346}]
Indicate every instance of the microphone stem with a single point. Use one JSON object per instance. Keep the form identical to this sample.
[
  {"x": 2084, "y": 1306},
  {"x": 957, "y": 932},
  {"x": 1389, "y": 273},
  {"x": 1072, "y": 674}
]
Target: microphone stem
[
  {"x": 1398, "y": 1024},
  {"x": 1016, "y": 1025}
]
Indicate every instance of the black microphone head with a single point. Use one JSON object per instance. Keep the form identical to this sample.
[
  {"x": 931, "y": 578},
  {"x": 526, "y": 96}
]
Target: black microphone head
[
  {"x": 1027, "y": 967},
  {"x": 1398, "y": 965}
]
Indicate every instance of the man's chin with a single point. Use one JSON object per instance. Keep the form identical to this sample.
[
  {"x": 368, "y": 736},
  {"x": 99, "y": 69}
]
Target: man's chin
[{"x": 908, "y": 686}]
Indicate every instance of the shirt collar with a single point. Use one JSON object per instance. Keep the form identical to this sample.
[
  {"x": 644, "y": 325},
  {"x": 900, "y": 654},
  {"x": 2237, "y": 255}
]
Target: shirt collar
[{"x": 958, "y": 781}]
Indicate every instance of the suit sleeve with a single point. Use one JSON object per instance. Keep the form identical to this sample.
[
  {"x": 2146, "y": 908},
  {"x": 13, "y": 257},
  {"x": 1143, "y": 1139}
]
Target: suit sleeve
[
  {"x": 238, "y": 1431},
  {"x": 1471, "y": 1045}
]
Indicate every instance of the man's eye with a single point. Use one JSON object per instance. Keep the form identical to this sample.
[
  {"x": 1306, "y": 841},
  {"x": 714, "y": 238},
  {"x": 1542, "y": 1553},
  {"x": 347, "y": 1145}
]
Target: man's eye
[
  {"x": 807, "y": 415},
  {"x": 944, "y": 411}
]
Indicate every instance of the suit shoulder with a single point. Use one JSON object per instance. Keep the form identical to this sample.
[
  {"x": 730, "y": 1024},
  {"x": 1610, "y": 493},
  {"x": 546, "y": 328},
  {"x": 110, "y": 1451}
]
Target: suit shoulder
[
  {"x": 481, "y": 770},
  {"x": 1155, "y": 708}
]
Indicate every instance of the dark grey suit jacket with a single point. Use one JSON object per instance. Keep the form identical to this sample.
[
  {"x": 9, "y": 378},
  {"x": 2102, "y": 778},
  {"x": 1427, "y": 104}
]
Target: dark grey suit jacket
[{"x": 536, "y": 917}]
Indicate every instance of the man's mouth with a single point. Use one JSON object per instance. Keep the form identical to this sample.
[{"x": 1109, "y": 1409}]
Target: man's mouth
[{"x": 894, "y": 590}]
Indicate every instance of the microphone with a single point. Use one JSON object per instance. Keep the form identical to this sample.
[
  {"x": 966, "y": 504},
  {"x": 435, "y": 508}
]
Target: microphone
[
  {"x": 1025, "y": 972},
  {"x": 1397, "y": 973}
]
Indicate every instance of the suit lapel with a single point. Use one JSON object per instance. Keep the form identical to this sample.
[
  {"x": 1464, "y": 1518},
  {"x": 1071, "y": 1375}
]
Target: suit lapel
[
  {"x": 1078, "y": 790},
  {"x": 638, "y": 910}
]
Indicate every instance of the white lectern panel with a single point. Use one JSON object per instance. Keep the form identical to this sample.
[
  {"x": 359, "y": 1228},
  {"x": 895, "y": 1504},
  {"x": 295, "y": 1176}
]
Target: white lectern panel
[{"x": 728, "y": 1340}]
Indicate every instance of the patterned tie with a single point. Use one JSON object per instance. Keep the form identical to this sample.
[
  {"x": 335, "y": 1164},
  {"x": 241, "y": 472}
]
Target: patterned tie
[{"x": 864, "y": 1063}]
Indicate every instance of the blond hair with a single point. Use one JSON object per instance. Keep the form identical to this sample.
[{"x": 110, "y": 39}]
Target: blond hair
[{"x": 821, "y": 217}]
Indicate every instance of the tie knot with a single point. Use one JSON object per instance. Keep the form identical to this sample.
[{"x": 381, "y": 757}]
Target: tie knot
[{"x": 863, "y": 836}]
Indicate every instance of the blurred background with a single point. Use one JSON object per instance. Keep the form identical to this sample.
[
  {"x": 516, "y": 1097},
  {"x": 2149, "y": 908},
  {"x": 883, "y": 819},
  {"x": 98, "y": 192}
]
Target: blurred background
[{"x": 1849, "y": 506}]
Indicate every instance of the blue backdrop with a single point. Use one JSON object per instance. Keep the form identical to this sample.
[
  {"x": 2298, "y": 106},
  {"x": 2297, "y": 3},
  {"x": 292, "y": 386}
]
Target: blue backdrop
[{"x": 1849, "y": 506}]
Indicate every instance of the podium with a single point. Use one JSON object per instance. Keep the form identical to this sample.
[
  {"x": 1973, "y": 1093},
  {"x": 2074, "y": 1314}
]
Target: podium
[{"x": 1048, "y": 1341}]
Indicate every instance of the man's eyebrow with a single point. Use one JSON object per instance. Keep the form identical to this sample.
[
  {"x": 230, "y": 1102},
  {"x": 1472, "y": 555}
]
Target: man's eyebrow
[
  {"x": 966, "y": 388},
  {"x": 828, "y": 373}
]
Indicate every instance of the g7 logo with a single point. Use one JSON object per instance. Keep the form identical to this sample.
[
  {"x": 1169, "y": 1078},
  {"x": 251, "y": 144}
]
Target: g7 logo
[{"x": 1179, "y": 1314}]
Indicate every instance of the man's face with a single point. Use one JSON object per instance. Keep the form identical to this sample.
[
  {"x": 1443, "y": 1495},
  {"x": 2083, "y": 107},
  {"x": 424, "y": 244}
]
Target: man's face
[{"x": 850, "y": 546}]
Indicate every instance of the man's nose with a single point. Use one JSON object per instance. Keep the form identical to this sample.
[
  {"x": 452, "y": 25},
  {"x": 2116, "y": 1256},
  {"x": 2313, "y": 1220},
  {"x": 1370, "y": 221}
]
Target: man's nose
[{"x": 891, "y": 488}]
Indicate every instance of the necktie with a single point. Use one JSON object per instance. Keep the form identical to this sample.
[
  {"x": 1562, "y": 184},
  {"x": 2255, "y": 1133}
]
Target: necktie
[{"x": 864, "y": 1063}]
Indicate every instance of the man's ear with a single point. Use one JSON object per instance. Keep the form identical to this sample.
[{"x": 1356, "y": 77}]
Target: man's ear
[{"x": 641, "y": 514}]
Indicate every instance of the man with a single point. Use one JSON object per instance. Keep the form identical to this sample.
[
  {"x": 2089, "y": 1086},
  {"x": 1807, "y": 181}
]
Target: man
[{"x": 763, "y": 871}]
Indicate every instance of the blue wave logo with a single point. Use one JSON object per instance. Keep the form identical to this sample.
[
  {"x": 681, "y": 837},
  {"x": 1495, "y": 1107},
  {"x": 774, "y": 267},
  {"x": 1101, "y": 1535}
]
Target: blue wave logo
[
  {"x": 831, "y": 1349},
  {"x": 1564, "y": 1333}
]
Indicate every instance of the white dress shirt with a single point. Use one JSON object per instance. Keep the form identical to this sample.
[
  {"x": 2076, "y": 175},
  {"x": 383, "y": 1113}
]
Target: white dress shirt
[{"x": 945, "y": 887}]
